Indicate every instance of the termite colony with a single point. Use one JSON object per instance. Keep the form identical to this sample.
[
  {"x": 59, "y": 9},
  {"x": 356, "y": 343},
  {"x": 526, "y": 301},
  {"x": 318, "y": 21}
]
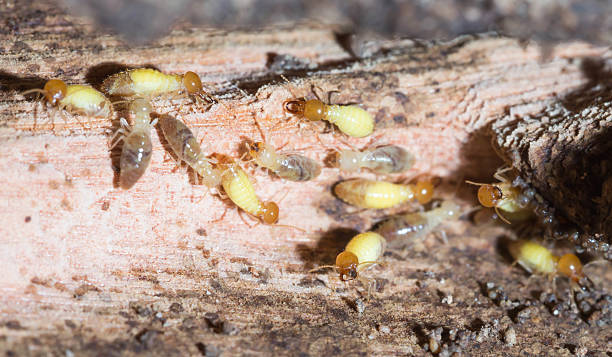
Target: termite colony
[{"x": 225, "y": 175}]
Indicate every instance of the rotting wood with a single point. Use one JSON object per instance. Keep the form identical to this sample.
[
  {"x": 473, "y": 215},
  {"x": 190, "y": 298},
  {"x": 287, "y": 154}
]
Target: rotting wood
[
  {"x": 564, "y": 152},
  {"x": 96, "y": 270}
]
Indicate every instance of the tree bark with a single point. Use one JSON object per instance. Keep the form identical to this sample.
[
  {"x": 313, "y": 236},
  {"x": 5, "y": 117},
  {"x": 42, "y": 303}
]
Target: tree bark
[
  {"x": 564, "y": 152},
  {"x": 160, "y": 269}
]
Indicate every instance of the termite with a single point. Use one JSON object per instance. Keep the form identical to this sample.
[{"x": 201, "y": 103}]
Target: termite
[
  {"x": 292, "y": 167},
  {"x": 240, "y": 190},
  {"x": 504, "y": 197},
  {"x": 381, "y": 194},
  {"x": 148, "y": 83},
  {"x": 417, "y": 225},
  {"x": 75, "y": 98},
  {"x": 137, "y": 148},
  {"x": 361, "y": 252},
  {"x": 387, "y": 159},
  {"x": 185, "y": 146},
  {"x": 537, "y": 259},
  {"x": 350, "y": 119}
]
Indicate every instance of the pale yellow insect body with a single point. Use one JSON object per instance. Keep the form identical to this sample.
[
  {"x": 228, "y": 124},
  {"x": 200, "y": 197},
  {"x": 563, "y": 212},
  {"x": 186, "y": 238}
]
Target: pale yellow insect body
[
  {"x": 86, "y": 100},
  {"x": 381, "y": 194},
  {"x": 75, "y": 98},
  {"x": 368, "y": 248},
  {"x": 240, "y": 190},
  {"x": 536, "y": 258},
  {"x": 148, "y": 83},
  {"x": 143, "y": 82},
  {"x": 361, "y": 252},
  {"x": 351, "y": 120},
  {"x": 533, "y": 257}
]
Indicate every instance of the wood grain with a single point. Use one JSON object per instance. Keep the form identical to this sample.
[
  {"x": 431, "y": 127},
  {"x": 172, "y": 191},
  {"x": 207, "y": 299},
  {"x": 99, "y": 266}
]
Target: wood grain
[{"x": 90, "y": 268}]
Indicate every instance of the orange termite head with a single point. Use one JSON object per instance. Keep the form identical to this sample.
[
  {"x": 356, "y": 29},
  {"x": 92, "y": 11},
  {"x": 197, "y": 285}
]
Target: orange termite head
[
  {"x": 55, "y": 90},
  {"x": 222, "y": 161},
  {"x": 269, "y": 212},
  {"x": 192, "y": 83},
  {"x": 295, "y": 106},
  {"x": 255, "y": 148},
  {"x": 346, "y": 264},
  {"x": 570, "y": 266},
  {"x": 424, "y": 191},
  {"x": 489, "y": 195}
]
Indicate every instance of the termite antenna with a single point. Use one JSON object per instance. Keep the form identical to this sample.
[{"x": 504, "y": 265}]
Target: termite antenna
[
  {"x": 259, "y": 128},
  {"x": 290, "y": 85},
  {"x": 501, "y": 216},
  {"x": 35, "y": 90},
  {"x": 321, "y": 267},
  {"x": 476, "y": 183}
]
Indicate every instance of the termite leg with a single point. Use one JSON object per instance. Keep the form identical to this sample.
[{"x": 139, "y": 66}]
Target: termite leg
[
  {"x": 244, "y": 220},
  {"x": 124, "y": 129},
  {"x": 501, "y": 216},
  {"x": 222, "y": 216},
  {"x": 498, "y": 174}
]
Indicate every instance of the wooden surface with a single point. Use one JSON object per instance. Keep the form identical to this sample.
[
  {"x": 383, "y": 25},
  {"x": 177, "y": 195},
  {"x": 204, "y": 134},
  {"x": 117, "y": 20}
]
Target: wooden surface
[
  {"x": 564, "y": 152},
  {"x": 92, "y": 269}
]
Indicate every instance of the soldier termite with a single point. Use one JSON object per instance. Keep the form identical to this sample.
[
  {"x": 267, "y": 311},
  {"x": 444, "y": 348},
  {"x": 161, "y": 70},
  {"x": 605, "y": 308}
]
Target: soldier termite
[
  {"x": 185, "y": 146},
  {"x": 350, "y": 119},
  {"x": 292, "y": 167},
  {"x": 362, "y": 252},
  {"x": 504, "y": 197},
  {"x": 240, "y": 190},
  {"x": 381, "y": 194},
  {"x": 75, "y": 98},
  {"x": 417, "y": 225},
  {"x": 137, "y": 148},
  {"x": 387, "y": 159},
  {"x": 149, "y": 83}
]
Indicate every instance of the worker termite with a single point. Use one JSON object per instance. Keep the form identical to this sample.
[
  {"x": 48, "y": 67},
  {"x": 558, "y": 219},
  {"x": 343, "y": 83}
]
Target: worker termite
[
  {"x": 362, "y": 252},
  {"x": 75, "y": 98},
  {"x": 387, "y": 159},
  {"x": 506, "y": 198},
  {"x": 137, "y": 148},
  {"x": 185, "y": 146},
  {"x": 381, "y": 194},
  {"x": 417, "y": 225},
  {"x": 240, "y": 190},
  {"x": 148, "y": 83},
  {"x": 537, "y": 259},
  {"x": 350, "y": 119},
  {"x": 292, "y": 167}
]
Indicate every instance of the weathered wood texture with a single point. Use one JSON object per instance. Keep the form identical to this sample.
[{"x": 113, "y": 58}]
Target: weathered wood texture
[
  {"x": 93, "y": 269},
  {"x": 564, "y": 152}
]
